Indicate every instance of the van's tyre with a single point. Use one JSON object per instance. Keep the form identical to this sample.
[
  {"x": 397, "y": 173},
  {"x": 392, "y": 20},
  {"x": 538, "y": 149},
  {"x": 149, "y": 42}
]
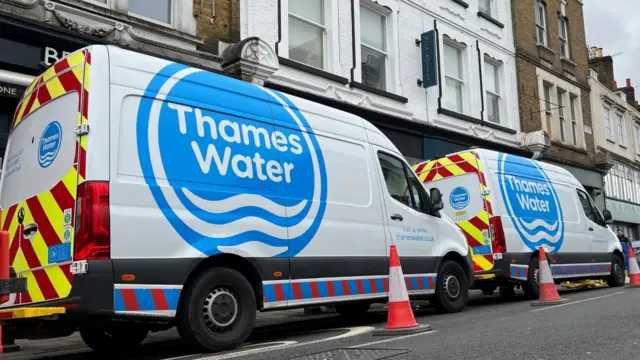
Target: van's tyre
[
  {"x": 353, "y": 311},
  {"x": 617, "y": 276},
  {"x": 218, "y": 310},
  {"x": 531, "y": 288},
  {"x": 113, "y": 337},
  {"x": 452, "y": 288}
]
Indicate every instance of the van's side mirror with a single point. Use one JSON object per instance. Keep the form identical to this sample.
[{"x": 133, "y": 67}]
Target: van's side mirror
[
  {"x": 607, "y": 216},
  {"x": 436, "y": 200}
]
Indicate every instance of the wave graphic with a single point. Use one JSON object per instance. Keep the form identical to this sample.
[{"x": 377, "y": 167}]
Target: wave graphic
[
  {"x": 48, "y": 156},
  {"x": 240, "y": 225},
  {"x": 241, "y": 201},
  {"x": 539, "y": 225}
]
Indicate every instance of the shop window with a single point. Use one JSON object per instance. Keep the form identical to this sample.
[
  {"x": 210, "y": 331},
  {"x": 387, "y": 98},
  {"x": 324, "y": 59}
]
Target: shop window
[
  {"x": 307, "y": 32},
  {"x": 373, "y": 46}
]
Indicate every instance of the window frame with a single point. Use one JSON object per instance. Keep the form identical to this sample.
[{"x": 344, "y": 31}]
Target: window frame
[
  {"x": 460, "y": 49},
  {"x": 491, "y": 4},
  {"x": 561, "y": 93},
  {"x": 564, "y": 42},
  {"x": 385, "y": 40},
  {"x": 598, "y": 219},
  {"x": 574, "y": 118},
  {"x": 539, "y": 4},
  {"x": 322, "y": 27},
  {"x": 111, "y": 5},
  {"x": 621, "y": 129},
  {"x": 409, "y": 176},
  {"x": 637, "y": 128},
  {"x": 607, "y": 122},
  {"x": 497, "y": 67}
]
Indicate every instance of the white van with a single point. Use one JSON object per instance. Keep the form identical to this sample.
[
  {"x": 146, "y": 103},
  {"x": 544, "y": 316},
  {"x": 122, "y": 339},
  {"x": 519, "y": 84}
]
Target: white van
[
  {"x": 508, "y": 206},
  {"x": 159, "y": 194}
]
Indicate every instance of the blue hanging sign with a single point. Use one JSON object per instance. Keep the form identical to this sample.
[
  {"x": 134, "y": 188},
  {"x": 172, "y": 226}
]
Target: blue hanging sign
[{"x": 429, "y": 51}]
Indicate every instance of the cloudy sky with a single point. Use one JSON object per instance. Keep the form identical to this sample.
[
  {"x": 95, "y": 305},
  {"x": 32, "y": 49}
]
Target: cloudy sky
[{"x": 614, "y": 25}]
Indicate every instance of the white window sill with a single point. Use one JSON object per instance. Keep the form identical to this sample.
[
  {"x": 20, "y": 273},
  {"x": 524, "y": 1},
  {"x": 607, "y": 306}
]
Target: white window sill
[
  {"x": 624, "y": 146},
  {"x": 611, "y": 140},
  {"x": 151, "y": 20}
]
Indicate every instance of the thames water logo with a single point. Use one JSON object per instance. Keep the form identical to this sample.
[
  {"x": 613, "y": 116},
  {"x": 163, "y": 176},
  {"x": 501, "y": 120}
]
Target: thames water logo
[
  {"x": 224, "y": 174},
  {"x": 49, "y": 144},
  {"x": 532, "y": 202},
  {"x": 459, "y": 198}
]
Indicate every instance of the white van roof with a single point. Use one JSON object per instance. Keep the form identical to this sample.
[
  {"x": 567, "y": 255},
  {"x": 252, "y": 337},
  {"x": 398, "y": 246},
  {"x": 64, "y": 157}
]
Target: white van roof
[{"x": 119, "y": 57}]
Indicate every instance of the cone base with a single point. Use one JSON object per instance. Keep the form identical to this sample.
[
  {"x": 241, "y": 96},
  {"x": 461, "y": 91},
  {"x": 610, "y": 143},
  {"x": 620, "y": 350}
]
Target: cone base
[
  {"x": 549, "y": 302},
  {"x": 632, "y": 286},
  {"x": 403, "y": 331}
]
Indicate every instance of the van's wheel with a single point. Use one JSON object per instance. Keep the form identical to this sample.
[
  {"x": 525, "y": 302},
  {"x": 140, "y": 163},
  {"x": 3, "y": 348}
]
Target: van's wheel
[
  {"x": 531, "y": 288},
  {"x": 353, "y": 311},
  {"x": 218, "y": 310},
  {"x": 113, "y": 337},
  {"x": 617, "y": 276},
  {"x": 452, "y": 288}
]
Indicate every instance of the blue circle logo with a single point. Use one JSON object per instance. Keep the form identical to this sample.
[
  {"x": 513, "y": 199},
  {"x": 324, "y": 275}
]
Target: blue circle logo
[
  {"x": 459, "y": 198},
  {"x": 49, "y": 144},
  {"x": 531, "y": 202},
  {"x": 226, "y": 175}
]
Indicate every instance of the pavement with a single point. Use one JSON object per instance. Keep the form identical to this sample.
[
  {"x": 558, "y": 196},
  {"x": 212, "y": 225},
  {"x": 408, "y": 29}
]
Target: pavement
[{"x": 596, "y": 324}]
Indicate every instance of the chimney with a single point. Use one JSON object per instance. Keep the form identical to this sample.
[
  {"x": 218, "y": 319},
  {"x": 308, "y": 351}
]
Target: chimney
[
  {"x": 615, "y": 84},
  {"x": 592, "y": 52},
  {"x": 603, "y": 65},
  {"x": 630, "y": 92}
]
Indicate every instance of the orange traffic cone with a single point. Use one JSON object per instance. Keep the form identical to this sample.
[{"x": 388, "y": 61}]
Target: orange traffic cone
[
  {"x": 548, "y": 292},
  {"x": 634, "y": 270},
  {"x": 400, "y": 319}
]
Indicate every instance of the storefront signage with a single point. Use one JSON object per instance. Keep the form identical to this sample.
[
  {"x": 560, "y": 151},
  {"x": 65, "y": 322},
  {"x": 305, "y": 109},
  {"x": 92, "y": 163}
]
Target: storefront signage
[
  {"x": 30, "y": 57},
  {"x": 52, "y": 55},
  {"x": 429, "y": 46},
  {"x": 11, "y": 90}
]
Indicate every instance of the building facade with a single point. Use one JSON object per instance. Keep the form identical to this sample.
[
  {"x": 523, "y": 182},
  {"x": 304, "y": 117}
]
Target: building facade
[
  {"x": 34, "y": 34},
  {"x": 553, "y": 86},
  {"x": 436, "y": 76},
  {"x": 616, "y": 124}
]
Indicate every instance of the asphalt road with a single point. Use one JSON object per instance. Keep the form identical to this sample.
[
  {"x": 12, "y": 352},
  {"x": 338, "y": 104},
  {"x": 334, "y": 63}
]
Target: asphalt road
[{"x": 595, "y": 324}]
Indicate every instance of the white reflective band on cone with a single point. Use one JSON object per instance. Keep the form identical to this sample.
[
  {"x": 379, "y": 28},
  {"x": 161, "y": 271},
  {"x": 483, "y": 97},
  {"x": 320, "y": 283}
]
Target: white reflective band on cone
[
  {"x": 397, "y": 286},
  {"x": 544, "y": 273}
]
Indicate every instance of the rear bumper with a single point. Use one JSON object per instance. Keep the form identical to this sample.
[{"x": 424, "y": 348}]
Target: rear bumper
[{"x": 510, "y": 268}]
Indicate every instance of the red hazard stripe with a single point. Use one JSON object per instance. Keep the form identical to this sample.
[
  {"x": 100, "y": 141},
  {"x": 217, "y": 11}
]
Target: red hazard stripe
[
  {"x": 431, "y": 285},
  {"x": 372, "y": 284},
  {"x": 430, "y": 175},
  {"x": 61, "y": 66},
  {"x": 159, "y": 299},
  {"x": 489, "y": 258},
  {"x": 345, "y": 287},
  {"x": 69, "y": 81},
  {"x": 43, "y": 95},
  {"x": 9, "y": 217},
  {"x": 463, "y": 164},
  {"x": 277, "y": 288},
  {"x": 129, "y": 299},
  {"x": 27, "y": 109},
  {"x": 15, "y": 242},
  {"x": 297, "y": 292},
  {"x": 477, "y": 267},
  {"x": 331, "y": 289},
  {"x": 66, "y": 269},
  {"x": 385, "y": 283},
  {"x": 314, "y": 289},
  {"x": 360, "y": 286},
  {"x": 487, "y": 205},
  {"x": 62, "y": 196},
  {"x": 420, "y": 167},
  {"x": 25, "y": 298},
  {"x": 477, "y": 223},
  {"x": 470, "y": 239},
  {"x": 88, "y": 55},
  {"x": 420, "y": 282},
  {"x": 444, "y": 172},
  {"x": 85, "y": 103},
  {"x": 49, "y": 235},
  {"x": 83, "y": 160}
]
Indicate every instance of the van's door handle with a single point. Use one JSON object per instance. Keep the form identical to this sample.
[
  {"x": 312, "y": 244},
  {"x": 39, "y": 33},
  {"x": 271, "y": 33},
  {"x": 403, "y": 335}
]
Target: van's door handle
[
  {"x": 397, "y": 217},
  {"x": 590, "y": 229}
]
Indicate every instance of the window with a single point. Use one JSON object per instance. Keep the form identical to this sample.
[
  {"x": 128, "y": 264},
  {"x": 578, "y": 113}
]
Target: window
[
  {"x": 608, "y": 130},
  {"x": 307, "y": 32},
  {"x": 574, "y": 121},
  {"x": 492, "y": 86},
  {"x": 159, "y": 10},
  {"x": 623, "y": 182},
  {"x": 454, "y": 77},
  {"x": 541, "y": 22},
  {"x": 486, "y": 6},
  {"x": 547, "y": 97},
  {"x": 586, "y": 206},
  {"x": 638, "y": 140},
  {"x": 373, "y": 47},
  {"x": 563, "y": 36},
  {"x": 561, "y": 112},
  {"x": 402, "y": 184},
  {"x": 622, "y": 134}
]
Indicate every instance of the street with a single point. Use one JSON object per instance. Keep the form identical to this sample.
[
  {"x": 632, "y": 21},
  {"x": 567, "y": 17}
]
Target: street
[{"x": 595, "y": 324}]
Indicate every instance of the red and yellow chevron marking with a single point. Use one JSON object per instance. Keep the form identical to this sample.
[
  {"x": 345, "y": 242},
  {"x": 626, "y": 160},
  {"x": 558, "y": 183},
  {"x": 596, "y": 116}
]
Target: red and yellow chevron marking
[
  {"x": 30, "y": 258},
  {"x": 455, "y": 165}
]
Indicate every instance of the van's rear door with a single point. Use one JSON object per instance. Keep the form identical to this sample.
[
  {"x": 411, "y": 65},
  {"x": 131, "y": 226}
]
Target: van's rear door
[
  {"x": 461, "y": 180},
  {"x": 40, "y": 177}
]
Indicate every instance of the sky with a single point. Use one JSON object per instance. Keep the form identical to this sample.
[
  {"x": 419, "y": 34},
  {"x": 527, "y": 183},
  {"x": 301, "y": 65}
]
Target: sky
[{"x": 614, "y": 25}]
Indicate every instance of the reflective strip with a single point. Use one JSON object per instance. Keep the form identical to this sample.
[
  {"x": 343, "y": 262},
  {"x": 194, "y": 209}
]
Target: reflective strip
[
  {"x": 544, "y": 273},
  {"x": 397, "y": 287}
]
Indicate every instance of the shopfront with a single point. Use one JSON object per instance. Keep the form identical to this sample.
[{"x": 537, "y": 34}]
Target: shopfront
[{"x": 27, "y": 49}]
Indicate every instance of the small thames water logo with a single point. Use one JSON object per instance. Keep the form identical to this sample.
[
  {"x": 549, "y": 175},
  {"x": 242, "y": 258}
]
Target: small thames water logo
[
  {"x": 459, "y": 198},
  {"x": 49, "y": 144}
]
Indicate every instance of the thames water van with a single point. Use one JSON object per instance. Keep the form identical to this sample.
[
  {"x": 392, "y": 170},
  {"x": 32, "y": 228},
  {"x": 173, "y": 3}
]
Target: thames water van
[
  {"x": 140, "y": 194},
  {"x": 508, "y": 206}
]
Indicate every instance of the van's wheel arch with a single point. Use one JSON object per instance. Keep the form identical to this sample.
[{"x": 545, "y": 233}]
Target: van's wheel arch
[
  {"x": 217, "y": 309},
  {"x": 113, "y": 337},
  {"x": 452, "y": 288},
  {"x": 531, "y": 287},
  {"x": 617, "y": 277}
]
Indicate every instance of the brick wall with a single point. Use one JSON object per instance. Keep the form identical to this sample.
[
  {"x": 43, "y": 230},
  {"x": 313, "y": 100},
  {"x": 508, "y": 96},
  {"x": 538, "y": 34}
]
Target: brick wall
[
  {"x": 217, "y": 20},
  {"x": 574, "y": 70}
]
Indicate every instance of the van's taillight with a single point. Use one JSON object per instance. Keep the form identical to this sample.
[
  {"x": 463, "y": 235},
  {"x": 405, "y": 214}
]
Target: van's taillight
[
  {"x": 497, "y": 235},
  {"x": 92, "y": 240}
]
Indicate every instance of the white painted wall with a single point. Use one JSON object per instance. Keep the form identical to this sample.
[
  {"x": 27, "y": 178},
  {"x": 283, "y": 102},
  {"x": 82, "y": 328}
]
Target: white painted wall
[{"x": 406, "y": 21}]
